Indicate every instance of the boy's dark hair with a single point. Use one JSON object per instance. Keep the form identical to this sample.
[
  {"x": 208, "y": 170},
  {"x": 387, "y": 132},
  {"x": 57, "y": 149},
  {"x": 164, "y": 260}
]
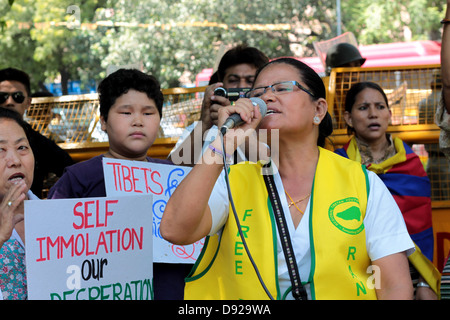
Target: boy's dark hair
[
  {"x": 239, "y": 55},
  {"x": 12, "y": 74},
  {"x": 121, "y": 81}
]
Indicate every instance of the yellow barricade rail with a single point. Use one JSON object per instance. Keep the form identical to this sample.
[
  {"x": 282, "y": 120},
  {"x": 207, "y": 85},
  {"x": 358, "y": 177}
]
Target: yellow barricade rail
[
  {"x": 75, "y": 118},
  {"x": 66, "y": 118},
  {"x": 73, "y": 122},
  {"x": 413, "y": 92}
]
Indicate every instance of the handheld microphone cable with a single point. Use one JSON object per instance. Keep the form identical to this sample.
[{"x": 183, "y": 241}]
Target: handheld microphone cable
[{"x": 230, "y": 197}]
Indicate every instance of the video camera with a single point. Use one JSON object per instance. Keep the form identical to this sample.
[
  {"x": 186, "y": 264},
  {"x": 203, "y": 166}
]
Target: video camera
[{"x": 231, "y": 94}]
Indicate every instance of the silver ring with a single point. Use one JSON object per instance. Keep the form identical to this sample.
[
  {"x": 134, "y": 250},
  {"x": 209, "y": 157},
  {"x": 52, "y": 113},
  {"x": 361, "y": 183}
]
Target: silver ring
[{"x": 9, "y": 203}]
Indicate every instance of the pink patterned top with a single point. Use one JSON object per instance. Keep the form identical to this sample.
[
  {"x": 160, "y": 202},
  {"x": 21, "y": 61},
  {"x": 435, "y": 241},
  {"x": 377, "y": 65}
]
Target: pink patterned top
[{"x": 13, "y": 277}]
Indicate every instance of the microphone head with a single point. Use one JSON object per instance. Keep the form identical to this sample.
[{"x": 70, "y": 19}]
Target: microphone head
[{"x": 261, "y": 104}]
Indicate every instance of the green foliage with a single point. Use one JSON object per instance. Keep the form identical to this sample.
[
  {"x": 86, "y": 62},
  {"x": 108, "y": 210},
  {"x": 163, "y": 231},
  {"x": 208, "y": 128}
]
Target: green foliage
[
  {"x": 385, "y": 21},
  {"x": 175, "y": 38}
]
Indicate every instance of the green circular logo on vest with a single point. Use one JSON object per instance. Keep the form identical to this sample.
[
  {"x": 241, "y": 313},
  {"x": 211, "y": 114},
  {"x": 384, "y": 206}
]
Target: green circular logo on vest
[{"x": 345, "y": 215}]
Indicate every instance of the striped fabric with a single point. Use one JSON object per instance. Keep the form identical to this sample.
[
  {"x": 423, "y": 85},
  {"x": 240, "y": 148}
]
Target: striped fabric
[{"x": 445, "y": 281}]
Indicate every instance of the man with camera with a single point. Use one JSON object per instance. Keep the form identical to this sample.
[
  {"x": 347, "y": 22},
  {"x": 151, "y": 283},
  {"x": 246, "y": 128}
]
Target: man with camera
[{"x": 234, "y": 76}]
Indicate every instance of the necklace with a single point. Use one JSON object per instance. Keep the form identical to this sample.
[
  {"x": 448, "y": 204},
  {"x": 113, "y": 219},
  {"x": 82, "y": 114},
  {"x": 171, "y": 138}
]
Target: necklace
[{"x": 295, "y": 202}]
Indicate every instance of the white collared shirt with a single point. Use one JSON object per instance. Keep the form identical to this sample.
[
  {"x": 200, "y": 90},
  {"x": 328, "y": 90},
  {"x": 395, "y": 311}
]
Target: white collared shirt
[{"x": 385, "y": 228}]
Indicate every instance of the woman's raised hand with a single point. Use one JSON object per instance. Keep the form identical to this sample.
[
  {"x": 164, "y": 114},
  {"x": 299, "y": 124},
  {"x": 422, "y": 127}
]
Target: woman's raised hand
[{"x": 9, "y": 207}]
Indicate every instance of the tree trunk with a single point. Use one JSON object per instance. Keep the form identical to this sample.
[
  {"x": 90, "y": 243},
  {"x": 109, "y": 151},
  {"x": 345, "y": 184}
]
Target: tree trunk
[{"x": 64, "y": 81}]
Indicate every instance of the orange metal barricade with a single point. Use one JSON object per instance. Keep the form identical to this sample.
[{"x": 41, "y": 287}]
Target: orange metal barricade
[
  {"x": 75, "y": 118},
  {"x": 413, "y": 92}
]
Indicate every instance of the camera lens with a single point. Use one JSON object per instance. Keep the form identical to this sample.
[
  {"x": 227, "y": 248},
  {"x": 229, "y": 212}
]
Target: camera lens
[{"x": 220, "y": 92}]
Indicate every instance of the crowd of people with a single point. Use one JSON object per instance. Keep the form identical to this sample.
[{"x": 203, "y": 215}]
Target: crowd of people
[{"x": 318, "y": 224}]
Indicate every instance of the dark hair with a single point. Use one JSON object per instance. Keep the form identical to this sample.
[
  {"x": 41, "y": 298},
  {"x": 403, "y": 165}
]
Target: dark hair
[
  {"x": 6, "y": 113},
  {"x": 350, "y": 98},
  {"x": 239, "y": 55},
  {"x": 315, "y": 84},
  {"x": 214, "y": 78},
  {"x": 12, "y": 74},
  {"x": 121, "y": 81}
]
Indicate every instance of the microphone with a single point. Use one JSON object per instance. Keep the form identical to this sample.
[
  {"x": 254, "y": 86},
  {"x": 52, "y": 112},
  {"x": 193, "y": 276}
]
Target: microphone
[{"x": 235, "y": 119}]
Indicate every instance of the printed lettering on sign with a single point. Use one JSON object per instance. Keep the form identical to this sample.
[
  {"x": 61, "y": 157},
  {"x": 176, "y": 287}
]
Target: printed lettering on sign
[
  {"x": 90, "y": 248},
  {"x": 126, "y": 177}
]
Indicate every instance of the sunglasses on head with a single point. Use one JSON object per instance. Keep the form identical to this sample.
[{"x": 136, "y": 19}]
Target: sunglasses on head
[{"x": 18, "y": 96}]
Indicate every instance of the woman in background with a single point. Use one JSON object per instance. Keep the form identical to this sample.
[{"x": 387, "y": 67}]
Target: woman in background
[
  {"x": 16, "y": 177},
  {"x": 367, "y": 115}
]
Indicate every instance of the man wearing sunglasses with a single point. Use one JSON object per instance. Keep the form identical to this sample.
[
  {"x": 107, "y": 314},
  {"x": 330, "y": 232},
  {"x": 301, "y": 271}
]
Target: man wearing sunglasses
[{"x": 15, "y": 94}]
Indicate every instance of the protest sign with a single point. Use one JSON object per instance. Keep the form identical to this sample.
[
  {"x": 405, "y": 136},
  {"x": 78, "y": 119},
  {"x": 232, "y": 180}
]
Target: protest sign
[
  {"x": 89, "y": 248},
  {"x": 125, "y": 177}
]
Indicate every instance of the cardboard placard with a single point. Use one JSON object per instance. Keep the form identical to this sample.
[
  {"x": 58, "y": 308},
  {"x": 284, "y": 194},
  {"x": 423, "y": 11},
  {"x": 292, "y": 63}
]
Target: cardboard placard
[
  {"x": 90, "y": 248},
  {"x": 125, "y": 177}
]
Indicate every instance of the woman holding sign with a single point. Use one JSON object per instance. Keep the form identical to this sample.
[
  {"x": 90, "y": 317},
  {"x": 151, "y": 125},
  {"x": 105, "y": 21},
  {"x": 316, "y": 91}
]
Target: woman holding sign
[
  {"x": 336, "y": 223},
  {"x": 17, "y": 167}
]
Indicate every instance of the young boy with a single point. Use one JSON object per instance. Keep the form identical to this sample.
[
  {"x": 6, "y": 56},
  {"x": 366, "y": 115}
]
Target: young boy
[{"x": 130, "y": 113}]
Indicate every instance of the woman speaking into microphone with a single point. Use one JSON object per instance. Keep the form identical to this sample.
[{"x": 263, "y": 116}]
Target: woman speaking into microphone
[{"x": 314, "y": 225}]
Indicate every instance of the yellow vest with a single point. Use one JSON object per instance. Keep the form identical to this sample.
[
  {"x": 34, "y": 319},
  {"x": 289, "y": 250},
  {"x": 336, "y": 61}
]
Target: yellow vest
[{"x": 339, "y": 259}]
